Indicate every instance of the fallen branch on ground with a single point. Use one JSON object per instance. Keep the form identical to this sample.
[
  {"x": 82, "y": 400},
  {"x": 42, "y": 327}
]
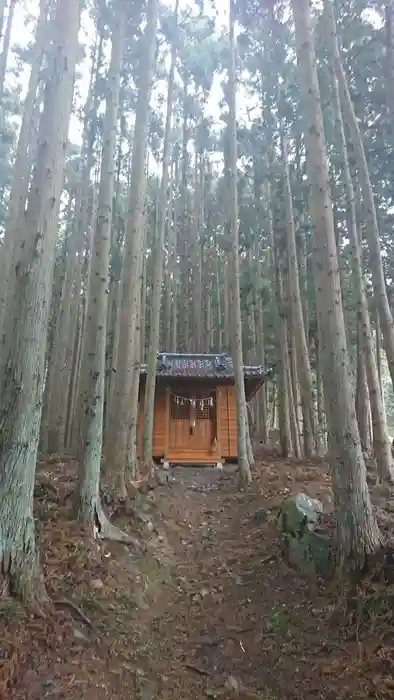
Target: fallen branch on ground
[
  {"x": 65, "y": 603},
  {"x": 196, "y": 669}
]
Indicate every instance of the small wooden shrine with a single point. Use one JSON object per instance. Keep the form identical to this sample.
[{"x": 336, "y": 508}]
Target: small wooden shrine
[{"x": 195, "y": 419}]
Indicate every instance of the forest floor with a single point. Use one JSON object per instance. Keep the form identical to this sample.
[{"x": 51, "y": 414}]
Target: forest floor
[{"x": 209, "y": 611}]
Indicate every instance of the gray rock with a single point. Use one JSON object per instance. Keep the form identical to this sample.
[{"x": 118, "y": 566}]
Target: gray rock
[
  {"x": 97, "y": 584},
  {"x": 310, "y": 554},
  {"x": 303, "y": 547},
  {"x": 206, "y": 641},
  {"x": 260, "y": 515},
  {"x": 162, "y": 477},
  {"x": 299, "y": 513},
  {"x": 147, "y": 690},
  {"x": 232, "y": 685},
  {"x": 79, "y": 635}
]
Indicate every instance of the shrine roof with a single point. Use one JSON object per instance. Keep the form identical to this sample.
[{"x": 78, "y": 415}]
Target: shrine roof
[{"x": 209, "y": 366}]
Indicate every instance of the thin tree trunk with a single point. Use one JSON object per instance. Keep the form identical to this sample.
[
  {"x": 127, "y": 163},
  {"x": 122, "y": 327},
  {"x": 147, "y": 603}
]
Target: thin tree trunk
[
  {"x": 283, "y": 387},
  {"x": 321, "y": 417},
  {"x": 362, "y": 393},
  {"x": 294, "y": 426},
  {"x": 294, "y": 394},
  {"x": 260, "y": 330},
  {"x": 303, "y": 363},
  {"x": 243, "y": 457},
  {"x": 5, "y": 51},
  {"x": 3, "y": 4},
  {"x": 132, "y": 470},
  {"x": 157, "y": 275},
  {"x": 379, "y": 353}
]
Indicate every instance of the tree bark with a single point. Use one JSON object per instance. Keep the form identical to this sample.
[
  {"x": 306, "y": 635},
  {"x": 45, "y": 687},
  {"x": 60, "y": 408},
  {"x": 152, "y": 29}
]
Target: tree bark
[
  {"x": 282, "y": 354},
  {"x": 303, "y": 363},
  {"x": 157, "y": 275},
  {"x": 362, "y": 394},
  {"x": 87, "y": 500},
  {"x": 243, "y": 456},
  {"x": 381, "y": 442},
  {"x": 21, "y": 177},
  {"x": 5, "y": 50},
  {"x": 357, "y": 530},
  {"x": 23, "y": 381},
  {"x": 372, "y": 229},
  {"x": 128, "y": 355}
]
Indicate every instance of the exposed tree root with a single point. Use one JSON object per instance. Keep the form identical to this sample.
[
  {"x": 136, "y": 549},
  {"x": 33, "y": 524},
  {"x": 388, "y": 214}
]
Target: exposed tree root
[
  {"x": 142, "y": 486},
  {"x": 89, "y": 511},
  {"x": 121, "y": 495},
  {"x": 148, "y": 468},
  {"x": 244, "y": 477},
  {"x": 107, "y": 531},
  {"x": 65, "y": 603}
]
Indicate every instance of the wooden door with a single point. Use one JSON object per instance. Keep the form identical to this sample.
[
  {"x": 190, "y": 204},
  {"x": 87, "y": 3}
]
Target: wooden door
[{"x": 192, "y": 429}]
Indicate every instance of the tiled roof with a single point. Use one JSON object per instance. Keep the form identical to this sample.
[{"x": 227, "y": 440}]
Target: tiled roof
[{"x": 213, "y": 366}]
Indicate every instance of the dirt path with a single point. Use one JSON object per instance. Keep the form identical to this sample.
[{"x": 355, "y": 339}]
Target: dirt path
[
  {"x": 210, "y": 612},
  {"x": 208, "y": 640},
  {"x": 236, "y": 621}
]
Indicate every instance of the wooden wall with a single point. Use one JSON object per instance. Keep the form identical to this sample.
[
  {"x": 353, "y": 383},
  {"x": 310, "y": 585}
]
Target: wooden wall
[
  {"x": 227, "y": 422},
  {"x": 158, "y": 423}
]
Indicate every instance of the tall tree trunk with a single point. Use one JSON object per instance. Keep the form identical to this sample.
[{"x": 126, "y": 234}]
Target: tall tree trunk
[
  {"x": 283, "y": 388},
  {"x": 294, "y": 394},
  {"x": 294, "y": 426},
  {"x": 226, "y": 309},
  {"x": 389, "y": 22},
  {"x": 379, "y": 351},
  {"x": 357, "y": 530},
  {"x": 303, "y": 363},
  {"x": 87, "y": 501},
  {"x": 157, "y": 275},
  {"x": 128, "y": 355},
  {"x": 196, "y": 261},
  {"x": 372, "y": 229},
  {"x": 381, "y": 443},
  {"x": 5, "y": 50},
  {"x": 183, "y": 235},
  {"x": 23, "y": 381},
  {"x": 64, "y": 374},
  {"x": 362, "y": 393},
  {"x": 321, "y": 416},
  {"x": 243, "y": 457},
  {"x": 3, "y": 4},
  {"x": 21, "y": 175},
  {"x": 132, "y": 463},
  {"x": 170, "y": 342},
  {"x": 260, "y": 330}
]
